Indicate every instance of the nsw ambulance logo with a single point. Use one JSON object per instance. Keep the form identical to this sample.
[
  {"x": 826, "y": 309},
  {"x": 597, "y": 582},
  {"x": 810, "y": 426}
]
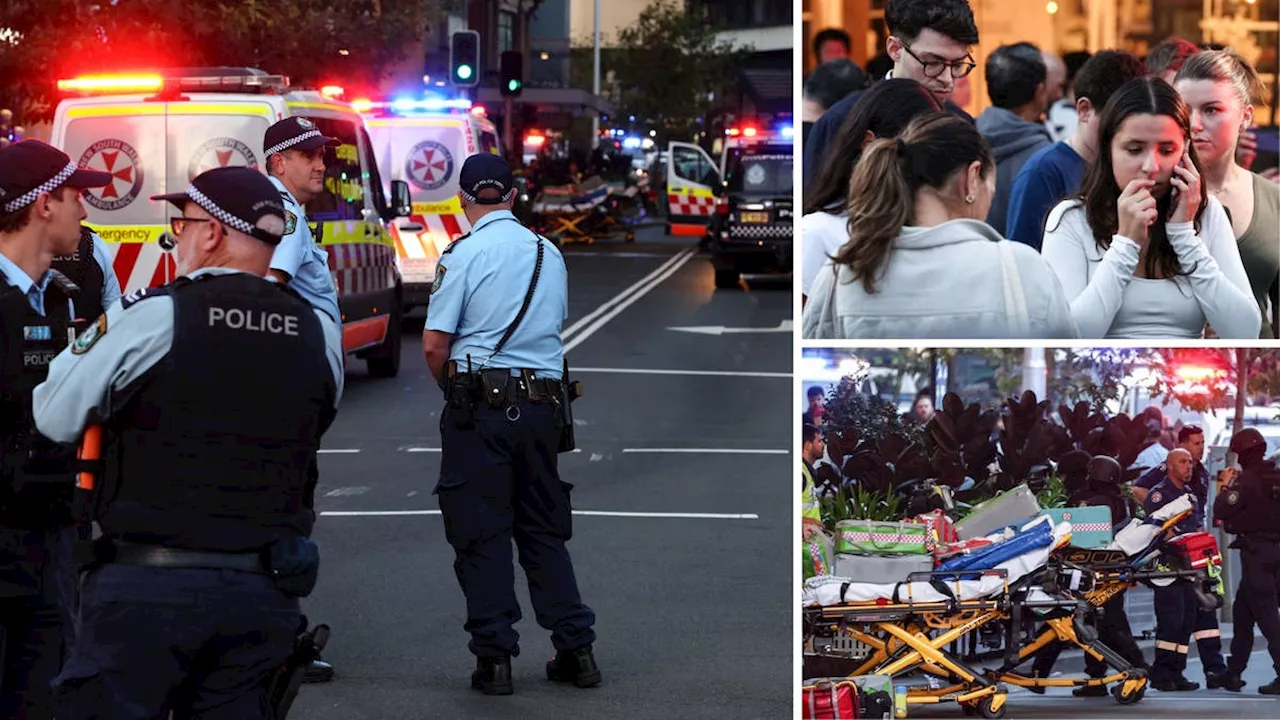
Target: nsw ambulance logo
[
  {"x": 429, "y": 165},
  {"x": 220, "y": 152},
  {"x": 121, "y": 161}
]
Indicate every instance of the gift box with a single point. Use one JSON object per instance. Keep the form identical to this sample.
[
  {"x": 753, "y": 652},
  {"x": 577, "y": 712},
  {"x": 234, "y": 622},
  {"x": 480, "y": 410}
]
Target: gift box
[
  {"x": 1090, "y": 526},
  {"x": 877, "y": 537}
]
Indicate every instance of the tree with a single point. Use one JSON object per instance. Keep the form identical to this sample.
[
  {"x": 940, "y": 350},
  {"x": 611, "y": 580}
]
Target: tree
[
  {"x": 311, "y": 41},
  {"x": 668, "y": 70}
]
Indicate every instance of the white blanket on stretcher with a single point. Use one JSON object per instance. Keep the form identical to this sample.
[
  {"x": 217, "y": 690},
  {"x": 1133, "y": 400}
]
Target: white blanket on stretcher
[
  {"x": 1137, "y": 535},
  {"x": 825, "y": 589}
]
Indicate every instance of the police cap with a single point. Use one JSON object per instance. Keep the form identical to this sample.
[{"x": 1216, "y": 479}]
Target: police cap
[
  {"x": 486, "y": 171},
  {"x": 295, "y": 133},
  {"x": 239, "y": 197},
  {"x": 30, "y": 167}
]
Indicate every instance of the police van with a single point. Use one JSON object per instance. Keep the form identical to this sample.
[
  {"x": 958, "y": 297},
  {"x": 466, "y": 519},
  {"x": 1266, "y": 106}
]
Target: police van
[
  {"x": 154, "y": 132},
  {"x": 742, "y": 205},
  {"x": 423, "y": 142}
]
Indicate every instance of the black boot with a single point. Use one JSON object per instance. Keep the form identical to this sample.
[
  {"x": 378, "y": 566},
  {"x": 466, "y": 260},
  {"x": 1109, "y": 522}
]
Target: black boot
[
  {"x": 578, "y": 667},
  {"x": 1090, "y": 691},
  {"x": 318, "y": 671},
  {"x": 1272, "y": 688},
  {"x": 1225, "y": 680},
  {"x": 493, "y": 675}
]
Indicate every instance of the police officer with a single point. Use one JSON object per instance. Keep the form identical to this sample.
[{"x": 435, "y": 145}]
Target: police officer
[
  {"x": 213, "y": 392},
  {"x": 501, "y": 429},
  {"x": 1208, "y": 635},
  {"x": 1100, "y": 489},
  {"x": 1248, "y": 508},
  {"x": 1175, "y": 603},
  {"x": 40, "y": 214},
  {"x": 295, "y": 164}
]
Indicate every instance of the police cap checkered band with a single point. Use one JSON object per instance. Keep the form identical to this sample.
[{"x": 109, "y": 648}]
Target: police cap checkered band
[
  {"x": 294, "y": 133},
  {"x": 240, "y": 198},
  {"x": 291, "y": 142},
  {"x": 30, "y": 167},
  {"x": 49, "y": 185},
  {"x": 483, "y": 184},
  {"x": 212, "y": 208},
  {"x": 482, "y": 171}
]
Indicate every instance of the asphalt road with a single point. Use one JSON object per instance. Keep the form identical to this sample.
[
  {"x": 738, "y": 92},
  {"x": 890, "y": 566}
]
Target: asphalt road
[{"x": 694, "y": 613}]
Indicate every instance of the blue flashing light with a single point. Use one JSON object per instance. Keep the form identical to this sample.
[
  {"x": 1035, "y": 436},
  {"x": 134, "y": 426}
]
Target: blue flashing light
[
  {"x": 787, "y": 131},
  {"x": 431, "y": 104},
  {"x": 631, "y": 142}
]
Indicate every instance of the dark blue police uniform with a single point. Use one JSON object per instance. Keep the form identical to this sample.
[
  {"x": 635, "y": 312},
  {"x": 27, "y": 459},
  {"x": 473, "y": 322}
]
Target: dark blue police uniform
[
  {"x": 35, "y": 474},
  {"x": 500, "y": 432},
  {"x": 1175, "y": 604},
  {"x": 1207, "y": 634},
  {"x": 214, "y": 392}
]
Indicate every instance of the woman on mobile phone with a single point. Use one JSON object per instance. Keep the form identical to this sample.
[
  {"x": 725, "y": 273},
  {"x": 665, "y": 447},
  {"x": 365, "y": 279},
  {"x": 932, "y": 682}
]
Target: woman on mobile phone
[
  {"x": 1142, "y": 252},
  {"x": 1221, "y": 89}
]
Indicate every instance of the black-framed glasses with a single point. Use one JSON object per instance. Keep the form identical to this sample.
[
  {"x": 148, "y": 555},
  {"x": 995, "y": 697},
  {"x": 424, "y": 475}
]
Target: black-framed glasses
[
  {"x": 934, "y": 68},
  {"x": 178, "y": 224}
]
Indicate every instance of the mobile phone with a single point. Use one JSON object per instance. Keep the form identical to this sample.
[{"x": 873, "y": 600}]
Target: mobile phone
[{"x": 1233, "y": 460}]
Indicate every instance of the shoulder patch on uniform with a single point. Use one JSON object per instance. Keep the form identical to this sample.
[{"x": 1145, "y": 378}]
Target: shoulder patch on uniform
[
  {"x": 1233, "y": 497},
  {"x": 440, "y": 271},
  {"x": 1155, "y": 496},
  {"x": 139, "y": 295},
  {"x": 90, "y": 336},
  {"x": 290, "y": 222}
]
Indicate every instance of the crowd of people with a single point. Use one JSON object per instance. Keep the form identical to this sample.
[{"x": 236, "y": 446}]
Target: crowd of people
[{"x": 1104, "y": 197}]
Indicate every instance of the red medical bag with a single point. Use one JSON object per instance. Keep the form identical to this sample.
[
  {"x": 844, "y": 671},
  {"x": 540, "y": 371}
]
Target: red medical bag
[{"x": 1198, "y": 548}]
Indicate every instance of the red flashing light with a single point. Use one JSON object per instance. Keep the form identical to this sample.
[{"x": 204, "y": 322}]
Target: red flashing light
[
  {"x": 111, "y": 83},
  {"x": 535, "y": 140},
  {"x": 478, "y": 111},
  {"x": 749, "y": 132},
  {"x": 733, "y": 132},
  {"x": 722, "y": 206},
  {"x": 332, "y": 91}
]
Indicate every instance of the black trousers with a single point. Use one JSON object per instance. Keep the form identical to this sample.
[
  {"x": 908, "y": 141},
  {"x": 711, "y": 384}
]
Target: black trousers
[
  {"x": 1255, "y": 604},
  {"x": 1113, "y": 631}
]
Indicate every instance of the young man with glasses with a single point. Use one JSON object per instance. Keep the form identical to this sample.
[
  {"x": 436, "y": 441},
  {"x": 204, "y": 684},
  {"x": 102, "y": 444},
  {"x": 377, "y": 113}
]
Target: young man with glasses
[
  {"x": 1207, "y": 635},
  {"x": 929, "y": 42}
]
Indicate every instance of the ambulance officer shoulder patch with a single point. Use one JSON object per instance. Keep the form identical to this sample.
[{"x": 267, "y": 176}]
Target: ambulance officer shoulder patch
[{"x": 90, "y": 336}]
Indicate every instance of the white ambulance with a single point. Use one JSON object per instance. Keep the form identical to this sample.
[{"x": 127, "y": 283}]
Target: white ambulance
[
  {"x": 423, "y": 142},
  {"x": 155, "y": 132}
]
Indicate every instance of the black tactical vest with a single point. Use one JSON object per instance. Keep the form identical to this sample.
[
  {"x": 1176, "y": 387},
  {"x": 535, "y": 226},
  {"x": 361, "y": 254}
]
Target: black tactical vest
[
  {"x": 35, "y": 473},
  {"x": 82, "y": 269},
  {"x": 212, "y": 449}
]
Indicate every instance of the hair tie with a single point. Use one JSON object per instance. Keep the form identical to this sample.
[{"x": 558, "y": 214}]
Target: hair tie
[{"x": 902, "y": 147}]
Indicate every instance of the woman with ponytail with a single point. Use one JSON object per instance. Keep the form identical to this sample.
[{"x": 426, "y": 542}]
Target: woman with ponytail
[{"x": 919, "y": 261}]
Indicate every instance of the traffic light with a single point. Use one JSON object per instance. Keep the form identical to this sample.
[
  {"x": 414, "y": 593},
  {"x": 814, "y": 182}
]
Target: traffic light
[
  {"x": 512, "y": 73},
  {"x": 464, "y": 58}
]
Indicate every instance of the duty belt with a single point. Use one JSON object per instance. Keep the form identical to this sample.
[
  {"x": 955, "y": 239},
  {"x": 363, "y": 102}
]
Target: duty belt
[
  {"x": 518, "y": 384},
  {"x": 128, "y": 553}
]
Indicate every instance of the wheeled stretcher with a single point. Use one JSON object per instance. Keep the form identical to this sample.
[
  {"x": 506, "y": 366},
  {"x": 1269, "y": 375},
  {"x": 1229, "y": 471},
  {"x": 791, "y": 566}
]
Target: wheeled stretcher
[
  {"x": 1036, "y": 598},
  {"x": 580, "y": 213}
]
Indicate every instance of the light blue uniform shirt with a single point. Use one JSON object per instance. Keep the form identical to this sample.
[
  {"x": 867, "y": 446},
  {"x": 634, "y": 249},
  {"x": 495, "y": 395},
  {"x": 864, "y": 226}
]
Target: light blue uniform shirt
[
  {"x": 481, "y": 282},
  {"x": 306, "y": 263},
  {"x": 110, "y": 284},
  {"x": 18, "y": 278},
  {"x": 81, "y": 388}
]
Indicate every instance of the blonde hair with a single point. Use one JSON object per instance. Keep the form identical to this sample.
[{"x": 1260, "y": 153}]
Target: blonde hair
[{"x": 1229, "y": 67}]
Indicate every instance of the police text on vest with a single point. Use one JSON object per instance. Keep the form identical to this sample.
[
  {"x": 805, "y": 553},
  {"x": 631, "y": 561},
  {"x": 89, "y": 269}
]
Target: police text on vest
[{"x": 255, "y": 320}]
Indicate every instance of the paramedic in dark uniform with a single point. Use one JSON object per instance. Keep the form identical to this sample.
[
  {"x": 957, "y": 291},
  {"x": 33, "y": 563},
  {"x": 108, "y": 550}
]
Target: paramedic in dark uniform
[
  {"x": 295, "y": 164},
  {"x": 498, "y": 475},
  {"x": 1249, "y": 507},
  {"x": 1175, "y": 603},
  {"x": 89, "y": 268},
  {"x": 40, "y": 214},
  {"x": 1208, "y": 635},
  {"x": 213, "y": 393}
]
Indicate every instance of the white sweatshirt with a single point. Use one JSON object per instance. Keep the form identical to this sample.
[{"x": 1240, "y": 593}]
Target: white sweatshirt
[
  {"x": 1107, "y": 301},
  {"x": 821, "y": 236},
  {"x": 943, "y": 282}
]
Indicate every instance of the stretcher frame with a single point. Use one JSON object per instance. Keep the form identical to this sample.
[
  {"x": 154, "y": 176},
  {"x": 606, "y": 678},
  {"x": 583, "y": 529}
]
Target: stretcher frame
[
  {"x": 578, "y": 222},
  {"x": 898, "y": 634}
]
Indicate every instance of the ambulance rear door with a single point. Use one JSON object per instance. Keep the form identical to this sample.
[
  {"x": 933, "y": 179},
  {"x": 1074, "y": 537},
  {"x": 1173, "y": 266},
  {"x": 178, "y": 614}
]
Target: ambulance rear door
[
  {"x": 693, "y": 184},
  {"x": 125, "y": 136},
  {"x": 427, "y": 153}
]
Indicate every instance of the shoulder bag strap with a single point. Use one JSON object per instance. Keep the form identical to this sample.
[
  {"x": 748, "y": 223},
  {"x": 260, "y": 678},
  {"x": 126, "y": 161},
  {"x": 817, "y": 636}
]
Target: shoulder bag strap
[
  {"x": 1015, "y": 301},
  {"x": 528, "y": 298}
]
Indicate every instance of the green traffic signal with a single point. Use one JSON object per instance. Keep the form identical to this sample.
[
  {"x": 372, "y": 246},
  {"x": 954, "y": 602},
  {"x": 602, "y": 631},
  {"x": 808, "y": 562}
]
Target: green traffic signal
[
  {"x": 513, "y": 85},
  {"x": 464, "y": 72}
]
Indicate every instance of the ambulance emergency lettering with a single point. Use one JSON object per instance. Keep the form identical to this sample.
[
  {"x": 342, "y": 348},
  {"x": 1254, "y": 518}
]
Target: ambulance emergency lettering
[
  {"x": 429, "y": 165},
  {"x": 120, "y": 160},
  {"x": 220, "y": 152}
]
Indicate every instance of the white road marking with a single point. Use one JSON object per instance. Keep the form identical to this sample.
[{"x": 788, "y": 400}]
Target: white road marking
[
  {"x": 783, "y": 327},
  {"x": 584, "y": 321},
  {"x": 345, "y": 491},
  {"x": 654, "y": 371},
  {"x": 710, "y": 451},
  {"x": 586, "y": 332},
  {"x": 343, "y": 451},
  {"x": 421, "y": 449},
  {"x": 596, "y": 513}
]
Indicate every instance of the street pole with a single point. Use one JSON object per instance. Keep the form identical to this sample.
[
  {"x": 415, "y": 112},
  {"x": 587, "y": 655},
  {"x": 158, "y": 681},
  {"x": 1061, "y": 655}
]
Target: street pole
[
  {"x": 508, "y": 140},
  {"x": 595, "y": 81},
  {"x": 1033, "y": 372}
]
